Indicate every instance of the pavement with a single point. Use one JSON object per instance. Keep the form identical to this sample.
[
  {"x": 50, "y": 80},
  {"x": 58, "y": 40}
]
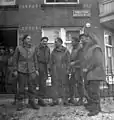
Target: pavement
[{"x": 8, "y": 112}]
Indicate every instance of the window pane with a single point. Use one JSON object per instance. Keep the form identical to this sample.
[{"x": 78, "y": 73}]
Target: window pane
[
  {"x": 69, "y": 47},
  {"x": 51, "y": 33},
  {"x": 50, "y": 0},
  {"x": 70, "y": 34},
  {"x": 110, "y": 40},
  {"x": 109, "y": 59}
]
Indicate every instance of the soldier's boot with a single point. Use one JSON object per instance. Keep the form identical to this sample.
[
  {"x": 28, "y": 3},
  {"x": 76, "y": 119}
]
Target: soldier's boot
[
  {"x": 80, "y": 102},
  {"x": 66, "y": 103},
  {"x": 88, "y": 104},
  {"x": 55, "y": 102},
  {"x": 72, "y": 101},
  {"x": 94, "y": 109},
  {"x": 90, "y": 107},
  {"x": 20, "y": 105},
  {"x": 41, "y": 102},
  {"x": 33, "y": 104}
]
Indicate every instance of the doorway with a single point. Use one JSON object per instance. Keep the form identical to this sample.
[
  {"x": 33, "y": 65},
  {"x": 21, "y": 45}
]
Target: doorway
[{"x": 8, "y": 38}]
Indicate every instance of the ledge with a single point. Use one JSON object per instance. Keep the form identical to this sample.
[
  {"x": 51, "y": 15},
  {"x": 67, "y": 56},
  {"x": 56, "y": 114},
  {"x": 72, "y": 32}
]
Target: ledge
[
  {"x": 9, "y": 26},
  {"x": 9, "y": 8},
  {"x": 78, "y": 6}
]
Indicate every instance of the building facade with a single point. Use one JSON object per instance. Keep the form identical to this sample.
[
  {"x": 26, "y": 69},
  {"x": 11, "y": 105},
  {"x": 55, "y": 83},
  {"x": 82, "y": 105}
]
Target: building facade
[
  {"x": 52, "y": 18},
  {"x": 106, "y": 15},
  {"x": 63, "y": 18}
]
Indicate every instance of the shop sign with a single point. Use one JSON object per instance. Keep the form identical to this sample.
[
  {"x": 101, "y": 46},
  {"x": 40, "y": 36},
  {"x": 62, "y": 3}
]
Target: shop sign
[
  {"x": 7, "y": 2},
  {"x": 81, "y": 13}
]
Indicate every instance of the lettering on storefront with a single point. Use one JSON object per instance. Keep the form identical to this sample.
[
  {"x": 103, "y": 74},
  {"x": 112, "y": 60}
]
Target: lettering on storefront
[
  {"x": 81, "y": 13},
  {"x": 30, "y": 6},
  {"x": 29, "y": 28},
  {"x": 87, "y": 6}
]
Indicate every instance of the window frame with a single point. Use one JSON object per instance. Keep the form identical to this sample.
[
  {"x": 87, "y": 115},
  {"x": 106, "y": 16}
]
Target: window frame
[
  {"x": 45, "y": 2},
  {"x": 62, "y": 34},
  {"x": 109, "y": 74}
]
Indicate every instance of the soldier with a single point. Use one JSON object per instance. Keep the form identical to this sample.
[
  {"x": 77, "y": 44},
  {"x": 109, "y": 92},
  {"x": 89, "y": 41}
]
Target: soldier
[
  {"x": 76, "y": 79},
  {"x": 26, "y": 68},
  {"x": 2, "y": 68},
  {"x": 59, "y": 64},
  {"x": 43, "y": 56},
  {"x": 92, "y": 69},
  {"x": 9, "y": 74}
]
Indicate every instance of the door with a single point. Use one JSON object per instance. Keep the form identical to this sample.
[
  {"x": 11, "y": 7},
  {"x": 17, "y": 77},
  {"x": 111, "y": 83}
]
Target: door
[{"x": 8, "y": 38}]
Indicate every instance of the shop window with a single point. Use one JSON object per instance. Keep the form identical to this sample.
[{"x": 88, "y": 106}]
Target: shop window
[
  {"x": 65, "y": 33},
  {"x": 62, "y": 1},
  {"x": 51, "y": 33}
]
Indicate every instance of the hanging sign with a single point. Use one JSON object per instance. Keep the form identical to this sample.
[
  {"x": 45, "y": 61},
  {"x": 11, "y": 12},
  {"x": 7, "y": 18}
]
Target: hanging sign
[
  {"x": 7, "y": 2},
  {"x": 81, "y": 13}
]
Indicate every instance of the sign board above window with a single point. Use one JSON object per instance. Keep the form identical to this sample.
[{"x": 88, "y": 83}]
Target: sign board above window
[
  {"x": 81, "y": 13},
  {"x": 61, "y": 1},
  {"x": 7, "y": 2}
]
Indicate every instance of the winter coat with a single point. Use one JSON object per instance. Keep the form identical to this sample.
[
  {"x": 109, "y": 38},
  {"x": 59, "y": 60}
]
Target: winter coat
[{"x": 59, "y": 64}]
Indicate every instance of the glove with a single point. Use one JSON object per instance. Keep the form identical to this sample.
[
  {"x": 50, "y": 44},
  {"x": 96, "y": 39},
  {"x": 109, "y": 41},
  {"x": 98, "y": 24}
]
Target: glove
[{"x": 85, "y": 70}]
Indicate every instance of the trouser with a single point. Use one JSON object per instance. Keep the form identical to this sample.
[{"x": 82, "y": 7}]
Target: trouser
[
  {"x": 26, "y": 86},
  {"x": 76, "y": 80},
  {"x": 10, "y": 80},
  {"x": 2, "y": 76},
  {"x": 93, "y": 91},
  {"x": 60, "y": 89},
  {"x": 42, "y": 84}
]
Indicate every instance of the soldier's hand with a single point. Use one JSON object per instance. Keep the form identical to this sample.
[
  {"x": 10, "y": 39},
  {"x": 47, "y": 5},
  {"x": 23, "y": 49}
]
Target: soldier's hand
[
  {"x": 37, "y": 72},
  {"x": 72, "y": 63},
  {"x": 84, "y": 70},
  {"x": 15, "y": 73},
  {"x": 37, "y": 88}
]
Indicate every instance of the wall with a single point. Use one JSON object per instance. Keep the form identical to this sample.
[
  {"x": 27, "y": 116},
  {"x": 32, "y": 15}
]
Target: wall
[{"x": 35, "y": 16}]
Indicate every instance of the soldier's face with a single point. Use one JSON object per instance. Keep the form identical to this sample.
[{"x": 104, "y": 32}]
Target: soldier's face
[
  {"x": 83, "y": 39},
  {"x": 57, "y": 43},
  {"x": 11, "y": 50},
  {"x": 44, "y": 42},
  {"x": 2, "y": 51},
  {"x": 28, "y": 40},
  {"x": 74, "y": 42}
]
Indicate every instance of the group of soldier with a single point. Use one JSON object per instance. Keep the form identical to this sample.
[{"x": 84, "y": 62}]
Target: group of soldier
[
  {"x": 6, "y": 66},
  {"x": 81, "y": 69}
]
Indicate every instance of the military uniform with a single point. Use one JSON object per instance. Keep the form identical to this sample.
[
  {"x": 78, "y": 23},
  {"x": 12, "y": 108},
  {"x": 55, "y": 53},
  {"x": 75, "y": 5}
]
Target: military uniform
[
  {"x": 76, "y": 79},
  {"x": 25, "y": 62},
  {"x": 3, "y": 66},
  {"x": 43, "y": 56},
  {"x": 91, "y": 59},
  {"x": 10, "y": 78}
]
